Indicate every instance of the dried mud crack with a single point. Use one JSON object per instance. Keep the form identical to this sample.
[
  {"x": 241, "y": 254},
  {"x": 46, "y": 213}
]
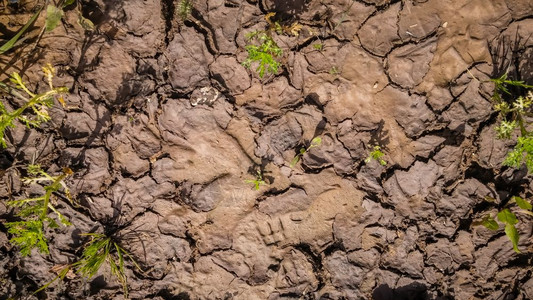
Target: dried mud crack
[{"x": 168, "y": 135}]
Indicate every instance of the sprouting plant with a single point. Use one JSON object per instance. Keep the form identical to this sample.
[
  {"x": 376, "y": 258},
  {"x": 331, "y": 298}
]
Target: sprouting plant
[
  {"x": 184, "y": 9},
  {"x": 514, "y": 115},
  {"x": 29, "y": 232},
  {"x": 100, "y": 249},
  {"x": 315, "y": 142},
  {"x": 318, "y": 46},
  {"x": 334, "y": 71},
  {"x": 258, "y": 181},
  {"x": 38, "y": 103},
  {"x": 103, "y": 248},
  {"x": 264, "y": 53},
  {"x": 377, "y": 155},
  {"x": 508, "y": 218}
]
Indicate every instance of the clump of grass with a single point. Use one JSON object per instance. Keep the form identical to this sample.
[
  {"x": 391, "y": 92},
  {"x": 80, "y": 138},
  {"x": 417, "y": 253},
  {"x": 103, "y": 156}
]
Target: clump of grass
[
  {"x": 100, "y": 249},
  {"x": 29, "y": 232},
  {"x": 315, "y": 142},
  {"x": 38, "y": 103},
  {"x": 377, "y": 155}
]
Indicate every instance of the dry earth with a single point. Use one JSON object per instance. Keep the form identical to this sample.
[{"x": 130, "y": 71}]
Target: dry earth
[{"x": 155, "y": 155}]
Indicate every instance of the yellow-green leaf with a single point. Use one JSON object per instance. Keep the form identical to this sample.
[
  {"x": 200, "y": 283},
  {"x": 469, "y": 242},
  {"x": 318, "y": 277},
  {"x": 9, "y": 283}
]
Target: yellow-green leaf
[
  {"x": 85, "y": 23},
  {"x": 53, "y": 16},
  {"x": 523, "y": 204},
  {"x": 490, "y": 223},
  {"x": 507, "y": 217},
  {"x": 512, "y": 234}
]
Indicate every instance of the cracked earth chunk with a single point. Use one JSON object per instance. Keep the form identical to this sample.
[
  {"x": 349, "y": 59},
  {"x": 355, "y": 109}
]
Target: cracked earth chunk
[
  {"x": 159, "y": 249},
  {"x": 426, "y": 144},
  {"x": 296, "y": 274},
  {"x": 144, "y": 19},
  {"x": 411, "y": 112},
  {"x": 344, "y": 275},
  {"x": 449, "y": 158},
  {"x": 402, "y": 256},
  {"x": 380, "y": 32},
  {"x": 277, "y": 138},
  {"x": 112, "y": 78},
  {"x": 407, "y": 190},
  {"x": 132, "y": 197},
  {"x": 330, "y": 152},
  {"x": 199, "y": 149},
  {"x": 464, "y": 197},
  {"x": 418, "y": 21},
  {"x": 408, "y": 64},
  {"x": 491, "y": 151},
  {"x": 231, "y": 74},
  {"x": 364, "y": 258},
  {"x": 294, "y": 199},
  {"x": 96, "y": 176},
  {"x": 187, "y": 60},
  {"x": 225, "y": 21}
]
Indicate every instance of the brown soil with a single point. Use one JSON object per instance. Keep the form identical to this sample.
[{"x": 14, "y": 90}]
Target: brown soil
[{"x": 155, "y": 156}]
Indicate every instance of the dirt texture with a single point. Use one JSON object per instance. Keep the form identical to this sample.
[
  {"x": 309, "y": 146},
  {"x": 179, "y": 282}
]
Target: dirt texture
[{"x": 163, "y": 125}]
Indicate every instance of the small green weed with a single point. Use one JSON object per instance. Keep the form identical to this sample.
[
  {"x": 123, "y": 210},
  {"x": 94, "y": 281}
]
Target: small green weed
[
  {"x": 514, "y": 115},
  {"x": 184, "y": 9},
  {"x": 334, "y": 71},
  {"x": 38, "y": 103},
  {"x": 29, "y": 232},
  {"x": 508, "y": 218},
  {"x": 318, "y": 46},
  {"x": 258, "y": 181},
  {"x": 315, "y": 142},
  {"x": 377, "y": 155},
  {"x": 264, "y": 53},
  {"x": 101, "y": 248}
]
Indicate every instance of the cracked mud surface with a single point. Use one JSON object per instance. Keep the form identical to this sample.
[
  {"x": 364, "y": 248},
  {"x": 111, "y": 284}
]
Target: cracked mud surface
[{"x": 163, "y": 125}]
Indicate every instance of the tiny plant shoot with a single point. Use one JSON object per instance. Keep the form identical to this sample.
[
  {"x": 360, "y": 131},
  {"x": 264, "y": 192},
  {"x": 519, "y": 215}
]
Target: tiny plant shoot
[
  {"x": 264, "y": 52},
  {"x": 38, "y": 103},
  {"x": 28, "y": 233},
  {"x": 317, "y": 141},
  {"x": 97, "y": 251},
  {"x": 515, "y": 114},
  {"x": 376, "y": 155},
  {"x": 258, "y": 181}
]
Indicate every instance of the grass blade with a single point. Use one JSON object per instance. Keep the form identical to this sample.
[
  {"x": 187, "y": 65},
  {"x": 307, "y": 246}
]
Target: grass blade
[{"x": 7, "y": 46}]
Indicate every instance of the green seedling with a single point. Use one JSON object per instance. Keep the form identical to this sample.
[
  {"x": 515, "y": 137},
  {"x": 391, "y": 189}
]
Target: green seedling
[
  {"x": 100, "y": 249},
  {"x": 318, "y": 46},
  {"x": 184, "y": 9},
  {"x": 258, "y": 181},
  {"x": 508, "y": 219},
  {"x": 514, "y": 115},
  {"x": 377, "y": 155},
  {"x": 315, "y": 142},
  {"x": 334, "y": 71},
  {"x": 264, "y": 53},
  {"x": 29, "y": 232},
  {"x": 38, "y": 103}
]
